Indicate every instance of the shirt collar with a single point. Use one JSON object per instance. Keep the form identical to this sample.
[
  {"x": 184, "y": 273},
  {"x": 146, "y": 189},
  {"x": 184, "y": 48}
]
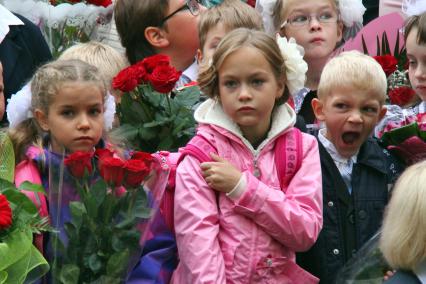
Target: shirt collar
[
  {"x": 192, "y": 71},
  {"x": 331, "y": 149},
  {"x": 421, "y": 271},
  {"x": 7, "y": 19}
]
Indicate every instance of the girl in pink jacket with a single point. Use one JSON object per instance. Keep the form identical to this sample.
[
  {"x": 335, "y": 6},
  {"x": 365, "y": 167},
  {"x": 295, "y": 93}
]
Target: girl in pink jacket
[{"x": 233, "y": 222}]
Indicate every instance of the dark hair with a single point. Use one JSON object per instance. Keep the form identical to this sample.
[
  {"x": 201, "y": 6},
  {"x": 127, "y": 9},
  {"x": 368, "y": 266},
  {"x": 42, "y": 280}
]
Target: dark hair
[
  {"x": 132, "y": 17},
  {"x": 416, "y": 22}
]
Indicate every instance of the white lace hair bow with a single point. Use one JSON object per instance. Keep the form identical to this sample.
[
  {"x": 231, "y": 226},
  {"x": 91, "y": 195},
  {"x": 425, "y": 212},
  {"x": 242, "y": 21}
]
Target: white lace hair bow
[
  {"x": 19, "y": 108},
  {"x": 413, "y": 7},
  {"x": 296, "y": 67},
  {"x": 351, "y": 14}
]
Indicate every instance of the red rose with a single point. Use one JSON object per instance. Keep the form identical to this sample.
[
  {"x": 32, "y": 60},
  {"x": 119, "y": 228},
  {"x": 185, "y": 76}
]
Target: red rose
[
  {"x": 401, "y": 95},
  {"x": 388, "y": 62},
  {"x": 111, "y": 170},
  {"x": 156, "y": 60},
  {"x": 5, "y": 213},
  {"x": 143, "y": 156},
  {"x": 164, "y": 78},
  {"x": 135, "y": 172},
  {"x": 78, "y": 163},
  {"x": 104, "y": 3},
  {"x": 103, "y": 153},
  {"x": 126, "y": 80}
]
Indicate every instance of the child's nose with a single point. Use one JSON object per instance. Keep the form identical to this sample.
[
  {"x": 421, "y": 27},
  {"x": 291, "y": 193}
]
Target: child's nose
[
  {"x": 83, "y": 122},
  {"x": 355, "y": 117},
  {"x": 244, "y": 94},
  {"x": 314, "y": 24}
]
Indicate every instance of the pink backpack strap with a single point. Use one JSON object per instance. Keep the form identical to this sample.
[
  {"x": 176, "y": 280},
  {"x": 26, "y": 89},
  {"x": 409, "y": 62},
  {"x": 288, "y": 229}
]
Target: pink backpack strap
[
  {"x": 288, "y": 156},
  {"x": 198, "y": 147},
  {"x": 28, "y": 171}
]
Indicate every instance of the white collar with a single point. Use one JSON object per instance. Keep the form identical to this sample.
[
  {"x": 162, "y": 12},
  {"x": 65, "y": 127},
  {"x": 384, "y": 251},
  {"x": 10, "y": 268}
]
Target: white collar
[
  {"x": 192, "y": 71},
  {"x": 331, "y": 149},
  {"x": 420, "y": 271},
  {"x": 7, "y": 19}
]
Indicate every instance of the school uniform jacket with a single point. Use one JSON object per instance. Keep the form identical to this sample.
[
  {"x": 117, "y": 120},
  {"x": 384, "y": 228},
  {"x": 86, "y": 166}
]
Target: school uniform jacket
[
  {"x": 251, "y": 239},
  {"x": 350, "y": 220}
]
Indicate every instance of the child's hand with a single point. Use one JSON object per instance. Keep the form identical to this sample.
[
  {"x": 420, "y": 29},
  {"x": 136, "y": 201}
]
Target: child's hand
[{"x": 220, "y": 174}]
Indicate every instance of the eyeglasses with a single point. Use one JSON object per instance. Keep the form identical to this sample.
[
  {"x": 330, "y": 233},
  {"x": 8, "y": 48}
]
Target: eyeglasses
[
  {"x": 301, "y": 20},
  {"x": 192, "y": 5}
]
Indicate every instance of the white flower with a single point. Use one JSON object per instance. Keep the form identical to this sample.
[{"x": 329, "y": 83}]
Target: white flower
[
  {"x": 19, "y": 106},
  {"x": 295, "y": 66},
  {"x": 109, "y": 111},
  {"x": 351, "y": 12}
]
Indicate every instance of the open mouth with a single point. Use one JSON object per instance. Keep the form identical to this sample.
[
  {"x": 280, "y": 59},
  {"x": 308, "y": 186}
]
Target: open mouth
[{"x": 350, "y": 137}]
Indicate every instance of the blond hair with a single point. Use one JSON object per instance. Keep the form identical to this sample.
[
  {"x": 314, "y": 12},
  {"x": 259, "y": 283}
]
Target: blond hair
[
  {"x": 238, "y": 38},
  {"x": 232, "y": 14},
  {"x": 45, "y": 84},
  {"x": 281, "y": 11},
  {"x": 403, "y": 238},
  {"x": 356, "y": 70},
  {"x": 108, "y": 60}
]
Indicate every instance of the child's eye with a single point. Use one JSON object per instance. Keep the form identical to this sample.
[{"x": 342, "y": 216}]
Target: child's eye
[
  {"x": 257, "y": 82},
  {"x": 67, "y": 113},
  {"x": 299, "y": 19},
  {"x": 340, "y": 105},
  {"x": 324, "y": 16},
  {"x": 230, "y": 84},
  {"x": 95, "y": 111},
  {"x": 412, "y": 62},
  {"x": 369, "y": 109}
]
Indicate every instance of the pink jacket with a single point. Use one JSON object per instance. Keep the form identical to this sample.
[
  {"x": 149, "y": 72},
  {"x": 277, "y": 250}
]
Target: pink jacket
[{"x": 251, "y": 239}]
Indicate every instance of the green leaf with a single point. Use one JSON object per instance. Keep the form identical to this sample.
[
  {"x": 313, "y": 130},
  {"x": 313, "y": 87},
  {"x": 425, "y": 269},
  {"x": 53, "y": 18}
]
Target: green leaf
[
  {"x": 70, "y": 274},
  {"x": 6, "y": 185},
  {"x": 147, "y": 132},
  {"x": 3, "y": 277},
  {"x": 126, "y": 131},
  {"x": 19, "y": 200},
  {"x": 77, "y": 210},
  {"x": 95, "y": 263},
  {"x": 396, "y": 49},
  {"x": 117, "y": 264},
  {"x": 188, "y": 96},
  {"x": 28, "y": 186},
  {"x": 98, "y": 191}
]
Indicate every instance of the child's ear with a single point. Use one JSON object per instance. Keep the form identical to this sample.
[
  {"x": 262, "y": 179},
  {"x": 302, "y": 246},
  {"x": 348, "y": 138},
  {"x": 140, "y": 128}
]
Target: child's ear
[
  {"x": 199, "y": 56},
  {"x": 340, "y": 28},
  {"x": 41, "y": 118},
  {"x": 382, "y": 113},
  {"x": 318, "y": 108},
  {"x": 156, "y": 37}
]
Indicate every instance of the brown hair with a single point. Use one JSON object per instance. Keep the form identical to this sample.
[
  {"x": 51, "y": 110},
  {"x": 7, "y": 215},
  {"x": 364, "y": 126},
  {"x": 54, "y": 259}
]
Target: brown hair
[
  {"x": 418, "y": 22},
  {"x": 236, "y": 39},
  {"x": 132, "y": 17},
  {"x": 232, "y": 14},
  {"x": 45, "y": 84}
]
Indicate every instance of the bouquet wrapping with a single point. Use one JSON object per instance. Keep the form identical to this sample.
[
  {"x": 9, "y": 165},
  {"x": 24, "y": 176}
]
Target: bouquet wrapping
[
  {"x": 406, "y": 139},
  {"x": 101, "y": 207}
]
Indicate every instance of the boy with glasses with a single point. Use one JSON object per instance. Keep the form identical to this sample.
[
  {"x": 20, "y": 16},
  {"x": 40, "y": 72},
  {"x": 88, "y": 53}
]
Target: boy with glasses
[{"x": 168, "y": 27}]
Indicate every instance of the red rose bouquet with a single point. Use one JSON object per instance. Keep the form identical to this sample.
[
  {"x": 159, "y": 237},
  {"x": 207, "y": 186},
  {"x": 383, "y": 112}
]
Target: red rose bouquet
[
  {"x": 153, "y": 114},
  {"x": 20, "y": 261},
  {"x": 407, "y": 139},
  {"x": 395, "y": 67},
  {"x": 116, "y": 200}
]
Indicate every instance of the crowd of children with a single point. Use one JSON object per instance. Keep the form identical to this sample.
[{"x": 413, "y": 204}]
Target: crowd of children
[{"x": 271, "y": 204}]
